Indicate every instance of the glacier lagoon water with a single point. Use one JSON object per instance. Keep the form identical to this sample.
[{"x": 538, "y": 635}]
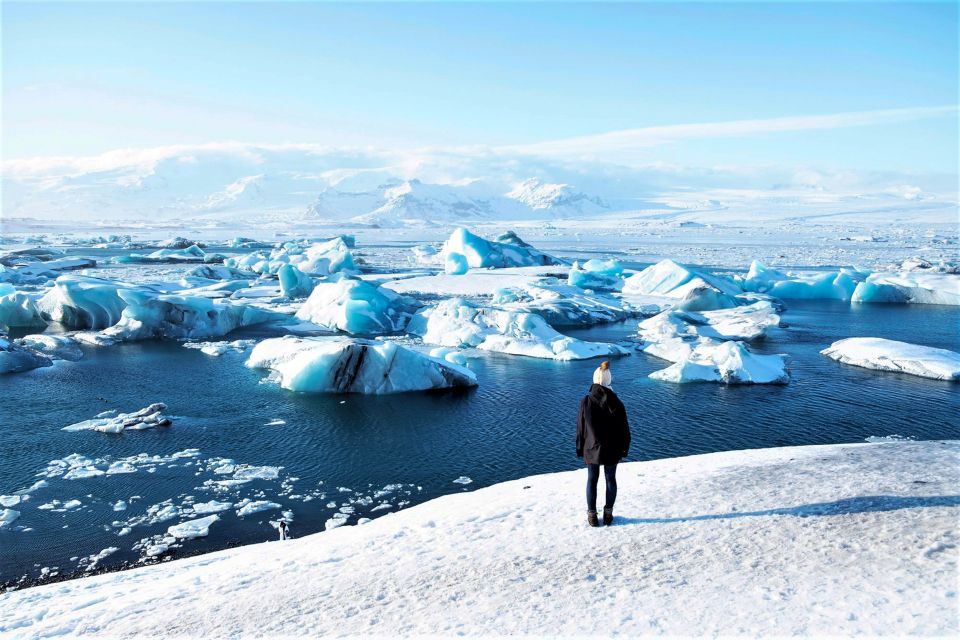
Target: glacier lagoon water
[{"x": 342, "y": 450}]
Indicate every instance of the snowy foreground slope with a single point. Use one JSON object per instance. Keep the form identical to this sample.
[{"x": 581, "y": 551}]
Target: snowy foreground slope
[{"x": 837, "y": 539}]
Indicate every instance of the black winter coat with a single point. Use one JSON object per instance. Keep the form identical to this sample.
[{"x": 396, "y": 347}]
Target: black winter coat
[{"x": 603, "y": 435}]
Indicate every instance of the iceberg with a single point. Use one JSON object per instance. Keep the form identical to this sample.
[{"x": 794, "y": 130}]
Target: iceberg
[
  {"x": 601, "y": 275},
  {"x": 480, "y": 253},
  {"x": 729, "y": 362},
  {"x": 893, "y": 355},
  {"x": 357, "y": 307},
  {"x": 18, "y": 309},
  {"x": 913, "y": 287},
  {"x": 193, "y": 528},
  {"x": 458, "y": 323},
  {"x": 220, "y": 272},
  {"x": 564, "y": 305},
  {"x": 352, "y": 365},
  {"x": 697, "y": 291},
  {"x": 81, "y": 302},
  {"x": 294, "y": 283},
  {"x": 151, "y": 315},
  {"x": 709, "y": 346},
  {"x": 829, "y": 285}
]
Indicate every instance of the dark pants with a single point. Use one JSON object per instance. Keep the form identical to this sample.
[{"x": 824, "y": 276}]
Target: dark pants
[{"x": 593, "y": 476}]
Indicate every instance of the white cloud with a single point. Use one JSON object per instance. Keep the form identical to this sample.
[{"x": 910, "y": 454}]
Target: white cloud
[{"x": 615, "y": 142}]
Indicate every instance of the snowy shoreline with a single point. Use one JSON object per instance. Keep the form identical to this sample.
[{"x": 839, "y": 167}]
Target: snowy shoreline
[{"x": 837, "y": 539}]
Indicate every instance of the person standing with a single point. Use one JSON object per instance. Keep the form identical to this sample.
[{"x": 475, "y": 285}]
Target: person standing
[{"x": 603, "y": 438}]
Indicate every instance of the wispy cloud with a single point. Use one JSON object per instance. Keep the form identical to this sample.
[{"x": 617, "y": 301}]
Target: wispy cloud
[{"x": 630, "y": 140}]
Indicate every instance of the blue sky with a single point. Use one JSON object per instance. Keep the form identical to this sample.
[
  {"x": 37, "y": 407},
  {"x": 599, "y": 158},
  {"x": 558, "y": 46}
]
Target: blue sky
[{"x": 84, "y": 78}]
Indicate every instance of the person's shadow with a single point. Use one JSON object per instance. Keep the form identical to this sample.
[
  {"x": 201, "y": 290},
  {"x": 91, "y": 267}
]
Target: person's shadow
[{"x": 844, "y": 506}]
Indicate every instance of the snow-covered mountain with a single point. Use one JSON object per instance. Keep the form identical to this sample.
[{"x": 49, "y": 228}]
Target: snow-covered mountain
[
  {"x": 251, "y": 184},
  {"x": 560, "y": 198}
]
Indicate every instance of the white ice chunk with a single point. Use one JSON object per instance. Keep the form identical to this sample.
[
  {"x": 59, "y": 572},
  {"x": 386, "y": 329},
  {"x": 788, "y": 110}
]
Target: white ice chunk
[
  {"x": 256, "y": 506},
  {"x": 893, "y": 355},
  {"x": 193, "y": 528},
  {"x": 728, "y": 362},
  {"x": 354, "y": 366},
  {"x": 458, "y": 323},
  {"x": 8, "y": 517},
  {"x": 213, "y": 506}
]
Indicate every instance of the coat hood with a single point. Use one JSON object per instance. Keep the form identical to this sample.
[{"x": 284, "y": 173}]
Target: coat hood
[{"x": 603, "y": 395}]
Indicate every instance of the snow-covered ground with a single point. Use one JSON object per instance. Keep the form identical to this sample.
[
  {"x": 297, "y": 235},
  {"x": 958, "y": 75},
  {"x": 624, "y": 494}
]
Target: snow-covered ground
[{"x": 818, "y": 540}]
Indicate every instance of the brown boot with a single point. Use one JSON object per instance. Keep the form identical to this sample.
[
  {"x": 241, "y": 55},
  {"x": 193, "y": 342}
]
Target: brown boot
[
  {"x": 607, "y": 516},
  {"x": 592, "y": 519}
]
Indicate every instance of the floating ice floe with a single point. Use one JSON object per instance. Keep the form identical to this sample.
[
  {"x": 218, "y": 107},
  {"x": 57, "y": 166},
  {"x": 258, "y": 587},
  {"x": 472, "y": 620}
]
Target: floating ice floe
[
  {"x": 250, "y": 507},
  {"x": 355, "y": 366},
  {"x": 152, "y": 315},
  {"x": 478, "y": 253},
  {"x": 707, "y": 346},
  {"x": 425, "y": 254},
  {"x": 357, "y": 307},
  {"x": 193, "y": 253},
  {"x": 198, "y": 528},
  {"x": 146, "y": 418},
  {"x": 458, "y": 323},
  {"x": 729, "y": 362},
  {"x": 17, "y": 359},
  {"x": 8, "y": 517},
  {"x": 893, "y": 355},
  {"x": 695, "y": 290},
  {"x": 81, "y": 302},
  {"x": 213, "y": 506},
  {"x": 58, "y": 347},
  {"x": 18, "y": 309},
  {"x": 913, "y": 287},
  {"x": 220, "y": 348}
]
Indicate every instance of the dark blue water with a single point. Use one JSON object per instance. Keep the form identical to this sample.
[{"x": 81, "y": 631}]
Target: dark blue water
[{"x": 519, "y": 421}]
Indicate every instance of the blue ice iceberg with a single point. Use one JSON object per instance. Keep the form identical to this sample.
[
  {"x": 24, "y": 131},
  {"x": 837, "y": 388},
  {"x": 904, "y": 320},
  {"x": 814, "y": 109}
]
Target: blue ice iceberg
[
  {"x": 18, "y": 309},
  {"x": 81, "y": 302},
  {"x": 357, "y": 307},
  {"x": 294, "y": 283},
  {"x": 828, "y": 285},
  {"x": 482, "y": 254}
]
